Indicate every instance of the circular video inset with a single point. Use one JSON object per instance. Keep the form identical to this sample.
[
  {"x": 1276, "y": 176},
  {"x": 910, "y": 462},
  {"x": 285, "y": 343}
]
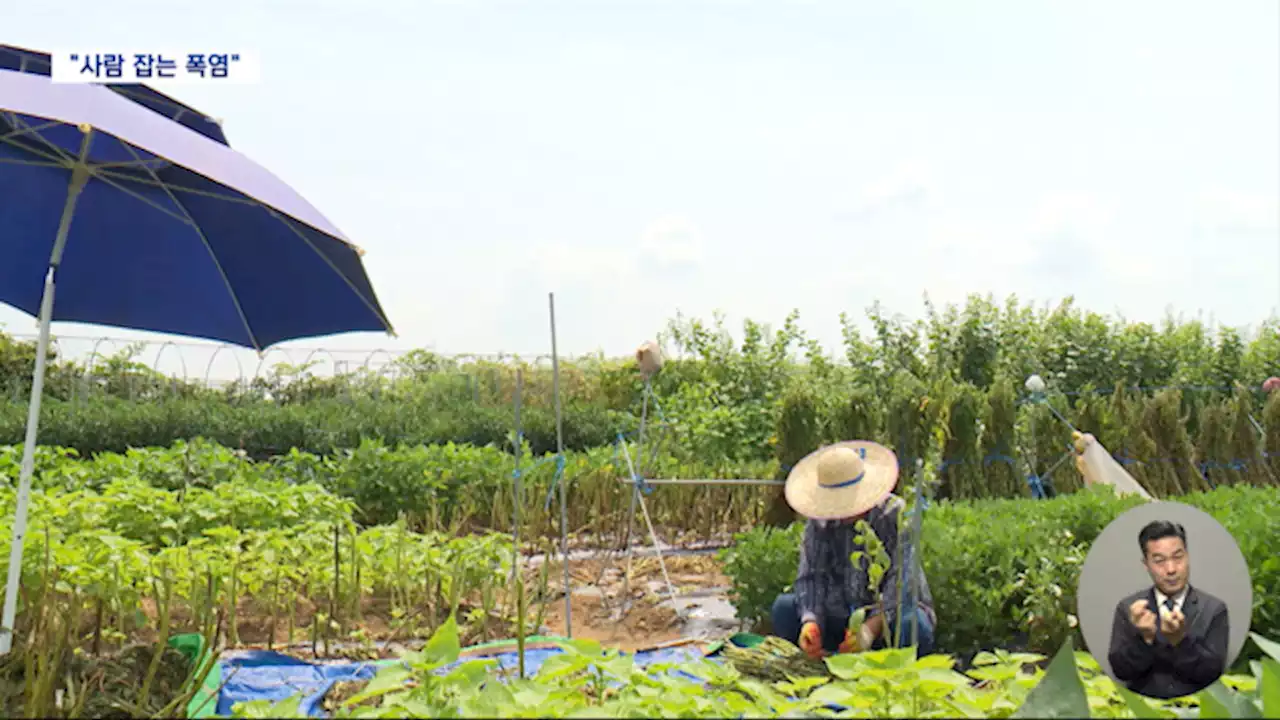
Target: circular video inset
[{"x": 1165, "y": 600}]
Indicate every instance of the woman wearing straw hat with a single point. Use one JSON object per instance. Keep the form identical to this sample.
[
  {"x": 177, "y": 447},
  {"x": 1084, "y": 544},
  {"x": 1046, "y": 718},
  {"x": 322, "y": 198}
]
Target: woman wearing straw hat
[{"x": 835, "y": 487}]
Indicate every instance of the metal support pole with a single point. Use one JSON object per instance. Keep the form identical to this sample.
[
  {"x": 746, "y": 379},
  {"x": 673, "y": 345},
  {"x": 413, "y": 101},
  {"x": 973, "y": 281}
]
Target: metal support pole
[
  {"x": 1262, "y": 447},
  {"x": 644, "y": 409},
  {"x": 915, "y": 559},
  {"x": 653, "y": 534},
  {"x": 515, "y": 511},
  {"x": 564, "y": 512},
  {"x": 707, "y": 481},
  {"x": 635, "y": 491},
  {"x": 631, "y": 512},
  {"x": 79, "y": 177},
  {"x": 631, "y": 521},
  {"x": 517, "y": 580}
]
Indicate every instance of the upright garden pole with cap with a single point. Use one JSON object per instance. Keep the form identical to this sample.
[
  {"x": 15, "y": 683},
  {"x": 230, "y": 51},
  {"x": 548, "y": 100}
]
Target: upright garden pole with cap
[
  {"x": 516, "y": 449},
  {"x": 915, "y": 561},
  {"x": 564, "y": 512},
  {"x": 649, "y": 361},
  {"x": 631, "y": 511}
]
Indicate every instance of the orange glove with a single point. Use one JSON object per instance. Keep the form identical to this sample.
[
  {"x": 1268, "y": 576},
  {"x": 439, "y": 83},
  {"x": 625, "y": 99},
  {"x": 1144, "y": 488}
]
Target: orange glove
[
  {"x": 850, "y": 643},
  {"x": 811, "y": 639}
]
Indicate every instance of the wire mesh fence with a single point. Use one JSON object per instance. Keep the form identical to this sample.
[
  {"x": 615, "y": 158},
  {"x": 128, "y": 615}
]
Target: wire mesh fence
[{"x": 140, "y": 370}]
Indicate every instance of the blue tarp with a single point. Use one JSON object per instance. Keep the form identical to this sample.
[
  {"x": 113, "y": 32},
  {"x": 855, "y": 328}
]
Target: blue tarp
[{"x": 261, "y": 675}]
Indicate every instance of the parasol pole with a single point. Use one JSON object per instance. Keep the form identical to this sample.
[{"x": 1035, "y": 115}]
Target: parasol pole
[
  {"x": 517, "y": 578},
  {"x": 79, "y": 177}
]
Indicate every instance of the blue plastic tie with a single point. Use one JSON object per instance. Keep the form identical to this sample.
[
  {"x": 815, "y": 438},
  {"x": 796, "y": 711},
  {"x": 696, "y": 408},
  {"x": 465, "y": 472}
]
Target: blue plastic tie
[
  {"x": 636, "y": 479},
  {"x": 920, "y": 508},
  {"x": 1037, "y": 488},
  {"x": 556, "y": 480}
]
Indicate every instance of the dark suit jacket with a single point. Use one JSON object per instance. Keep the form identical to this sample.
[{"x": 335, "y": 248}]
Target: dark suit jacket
[{"x": 1164, "y": 671}]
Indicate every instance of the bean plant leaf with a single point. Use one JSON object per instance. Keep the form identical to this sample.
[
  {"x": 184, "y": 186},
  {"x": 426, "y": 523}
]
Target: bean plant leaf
[
  {"x": 290, "y": 707},
  {"x": 845, "y": 666},
  {"x": 1270, "y": 647},
  {"x": 1139, "y": 706},
  {"x": 1219, "y": 701},
  {"x": 1060, "y": 693},
  {"x": 443, "y": 647},
  {"x": 936, "y": 661},
  {"x": 584, "y": 647},
  {"x": 388, "y": 679},
  {"x": 856, "y": 619},
  {"x": 1269, "y": 687}
]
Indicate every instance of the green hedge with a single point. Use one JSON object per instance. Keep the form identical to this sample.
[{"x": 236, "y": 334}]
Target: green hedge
[
  {"x": 988, "y": 439},
  {"x": 1180, "y": 398},
  {"x": 263, "y": 428},
  {"x": 1003, "y": 572},
  {"x": 449, "y": 487}
]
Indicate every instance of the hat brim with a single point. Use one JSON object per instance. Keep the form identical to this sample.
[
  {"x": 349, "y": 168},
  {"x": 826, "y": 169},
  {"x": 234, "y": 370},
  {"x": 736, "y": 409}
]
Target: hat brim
[{"x": 809, "y": 498}]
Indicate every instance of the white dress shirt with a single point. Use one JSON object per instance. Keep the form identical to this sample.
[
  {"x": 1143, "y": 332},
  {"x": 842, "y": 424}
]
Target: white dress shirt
[{"x": 1177, "y": 600}]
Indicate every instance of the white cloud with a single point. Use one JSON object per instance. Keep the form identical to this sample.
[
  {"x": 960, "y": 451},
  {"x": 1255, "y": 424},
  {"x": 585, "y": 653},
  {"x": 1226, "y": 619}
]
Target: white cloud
[
  {"x": 1232, "y": 211},
  {"x": 560, "y": 264},
  {"x": 910, "y": 181},
  {"x": 666, "y": 244},
  {"x": 1081, "y": 228},
  {"x": 672, "y": 241},
  {"x": 1080, "y": 213}
]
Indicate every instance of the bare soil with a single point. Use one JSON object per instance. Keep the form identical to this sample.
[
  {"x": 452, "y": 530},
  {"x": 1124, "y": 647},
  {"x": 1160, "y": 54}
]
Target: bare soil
[
  {"x": 605, "y": 608},
  {"x": 635, "y": 615},
  {"x": 645, "y": 625}
]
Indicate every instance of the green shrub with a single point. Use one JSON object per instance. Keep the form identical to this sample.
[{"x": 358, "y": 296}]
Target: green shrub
[
  {"x": 762, "y": 564},
  {"x": 449, "y": 487}
]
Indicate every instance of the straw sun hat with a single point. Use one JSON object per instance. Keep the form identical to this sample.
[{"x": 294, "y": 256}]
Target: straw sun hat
[{"x": 842, "y": 480}]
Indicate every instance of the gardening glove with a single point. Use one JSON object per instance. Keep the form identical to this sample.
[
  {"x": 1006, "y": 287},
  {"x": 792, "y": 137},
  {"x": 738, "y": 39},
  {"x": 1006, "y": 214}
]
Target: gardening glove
[
  {"x": 850, "y": 643},
  {"x": 866, "y": 638},
  {"x": 857, "y": 641},
  {"x": 811, "y": 639}
]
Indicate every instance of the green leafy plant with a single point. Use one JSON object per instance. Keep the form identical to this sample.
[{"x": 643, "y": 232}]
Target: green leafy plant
[
  {"x": 877, "y": 562},
  {"x": 587, "y": 680},
  {"x": 762, "y": 565}
]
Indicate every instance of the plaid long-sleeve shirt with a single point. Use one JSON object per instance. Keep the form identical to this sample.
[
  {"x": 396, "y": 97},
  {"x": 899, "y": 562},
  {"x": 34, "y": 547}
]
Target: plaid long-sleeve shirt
[{"x": 828, "y": 584}]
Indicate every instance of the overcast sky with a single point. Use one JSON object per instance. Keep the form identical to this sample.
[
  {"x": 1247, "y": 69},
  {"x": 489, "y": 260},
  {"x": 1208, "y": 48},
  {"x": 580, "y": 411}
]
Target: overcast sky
[{"x": 643, "y": 158}]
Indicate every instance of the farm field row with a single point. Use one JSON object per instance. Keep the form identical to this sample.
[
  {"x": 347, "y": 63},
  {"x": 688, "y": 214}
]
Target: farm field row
[
  {"x": 135, "y": 548},
  {"x": 452, "y": 489},
  {"x": 221, "y": 529},
  {"x": 457, "y": 489},
  {"x": 1174, "y": 440}
]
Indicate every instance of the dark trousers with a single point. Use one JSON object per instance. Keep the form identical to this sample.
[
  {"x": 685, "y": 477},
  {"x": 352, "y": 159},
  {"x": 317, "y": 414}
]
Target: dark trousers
[{"x": 786, "y": 625}]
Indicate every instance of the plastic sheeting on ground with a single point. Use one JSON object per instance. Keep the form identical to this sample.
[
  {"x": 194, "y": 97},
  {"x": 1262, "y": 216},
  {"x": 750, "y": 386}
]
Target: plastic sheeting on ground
[{"x": 250, "y": 675}]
